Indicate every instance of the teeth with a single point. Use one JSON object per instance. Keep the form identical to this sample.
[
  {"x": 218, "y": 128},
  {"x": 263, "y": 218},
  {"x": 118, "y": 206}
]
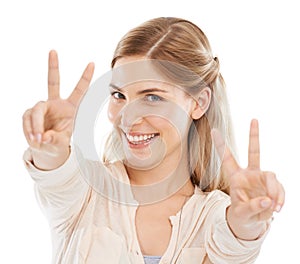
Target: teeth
[{"x": 139, "y": 138}]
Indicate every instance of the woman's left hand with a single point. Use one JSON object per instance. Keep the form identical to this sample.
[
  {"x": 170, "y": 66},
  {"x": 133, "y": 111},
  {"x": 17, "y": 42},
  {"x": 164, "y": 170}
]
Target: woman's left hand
[{"x": 255, "y": 194}]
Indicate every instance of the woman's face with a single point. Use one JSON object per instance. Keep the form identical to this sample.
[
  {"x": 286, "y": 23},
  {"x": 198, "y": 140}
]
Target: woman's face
[{"x": 152, "y": 118}]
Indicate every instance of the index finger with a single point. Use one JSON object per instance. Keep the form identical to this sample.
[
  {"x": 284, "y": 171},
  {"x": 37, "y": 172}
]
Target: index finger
[
  {"x": 82, "y": 85},
  {"x": 53, "y": 75},
  {"x": 253, "y": 149},
  {"x": 229, "y": 164}
]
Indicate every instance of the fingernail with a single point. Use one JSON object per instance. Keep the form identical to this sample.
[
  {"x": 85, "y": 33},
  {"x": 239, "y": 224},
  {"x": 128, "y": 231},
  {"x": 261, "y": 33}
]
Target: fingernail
[
  {"x": 278, "y": 208},
  {"x": 265, "y": 203},
  {"x": 31, "y": 137},
  {"x": 38, "y": 137}
]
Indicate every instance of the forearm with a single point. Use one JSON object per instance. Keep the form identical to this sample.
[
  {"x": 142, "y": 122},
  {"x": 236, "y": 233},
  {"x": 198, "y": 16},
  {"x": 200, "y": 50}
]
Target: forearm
[{"x": 244, "y": 231}]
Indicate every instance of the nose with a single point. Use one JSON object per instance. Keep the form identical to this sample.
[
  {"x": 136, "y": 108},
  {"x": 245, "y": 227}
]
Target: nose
[{"x": 131, "y": 114}]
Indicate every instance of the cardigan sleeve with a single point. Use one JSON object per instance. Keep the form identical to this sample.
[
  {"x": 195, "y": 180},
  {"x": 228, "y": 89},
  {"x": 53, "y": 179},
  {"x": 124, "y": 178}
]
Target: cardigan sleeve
[
  {"x": 61, "y": 193},
  {"x": 221, "y": 244}
]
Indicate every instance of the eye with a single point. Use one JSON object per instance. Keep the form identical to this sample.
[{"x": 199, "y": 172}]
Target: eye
[
  {"x": 118, "y": 96},
  {"x": 153, "y": 98}
]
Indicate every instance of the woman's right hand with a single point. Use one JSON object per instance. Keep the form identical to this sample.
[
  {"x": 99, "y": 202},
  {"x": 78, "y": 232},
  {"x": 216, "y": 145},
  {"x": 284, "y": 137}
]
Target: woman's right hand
[{"x": 48, "y": 125}]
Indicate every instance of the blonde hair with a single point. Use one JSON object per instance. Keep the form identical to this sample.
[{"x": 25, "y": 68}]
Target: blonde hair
[{"x": 182, "y": 42}]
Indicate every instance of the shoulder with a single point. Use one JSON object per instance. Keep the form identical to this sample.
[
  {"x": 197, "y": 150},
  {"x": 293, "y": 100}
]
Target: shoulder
[
  {"x": 214, "y": 202},
  {"x": 212, "y": 196},
  {"x": 217, "y": 195}
]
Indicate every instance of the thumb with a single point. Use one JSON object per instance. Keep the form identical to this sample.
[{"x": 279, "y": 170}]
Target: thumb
[
  {"x": 47, "y": 137},
  {"x": 58, "y": 139},
  {"x": 259, "y": 208}
]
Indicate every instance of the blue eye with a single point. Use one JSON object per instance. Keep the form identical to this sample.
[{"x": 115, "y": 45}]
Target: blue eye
[
  {"x": 153, "y": 98},
  {"x": 117, "y": 95}
]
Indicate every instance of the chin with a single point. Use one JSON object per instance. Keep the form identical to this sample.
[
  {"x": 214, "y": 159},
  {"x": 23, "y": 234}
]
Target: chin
[{"x": 144, "y": 155}]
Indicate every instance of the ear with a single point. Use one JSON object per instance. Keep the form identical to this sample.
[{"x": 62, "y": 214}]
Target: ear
[{"x": 202, "y": 104}]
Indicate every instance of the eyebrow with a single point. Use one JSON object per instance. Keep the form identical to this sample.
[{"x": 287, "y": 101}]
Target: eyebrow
[
  {"x": 150, "y": 90},
  {"x": 115, "y": 87}
]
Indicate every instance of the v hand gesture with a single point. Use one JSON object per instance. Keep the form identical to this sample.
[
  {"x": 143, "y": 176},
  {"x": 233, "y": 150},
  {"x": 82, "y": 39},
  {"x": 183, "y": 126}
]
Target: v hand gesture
[
  {"x": 49, "y": 124},
  {"x": 255, "y": 194}
]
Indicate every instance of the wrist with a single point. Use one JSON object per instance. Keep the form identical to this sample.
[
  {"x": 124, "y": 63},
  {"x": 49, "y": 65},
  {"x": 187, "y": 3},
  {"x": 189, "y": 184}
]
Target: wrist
[
  {"x": 43, "y": 160},
  {"x": 245, "y": 230}
]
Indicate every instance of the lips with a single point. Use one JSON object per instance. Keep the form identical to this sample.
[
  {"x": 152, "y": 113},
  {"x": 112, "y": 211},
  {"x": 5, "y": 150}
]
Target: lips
[{"x": 139, "y": 138}]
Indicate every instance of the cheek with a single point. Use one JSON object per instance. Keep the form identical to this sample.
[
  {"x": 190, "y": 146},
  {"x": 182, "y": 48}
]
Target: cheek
[
  {"x": 164, "y": 126},
  {"x": 113, "y": 112},
  {"x": 171, "y": 136},
  {"x": 157, "y": 122}
]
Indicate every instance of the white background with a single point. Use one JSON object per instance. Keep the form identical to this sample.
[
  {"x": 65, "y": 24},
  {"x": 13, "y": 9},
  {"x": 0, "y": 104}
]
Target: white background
[{"x": 257, "y": 43}]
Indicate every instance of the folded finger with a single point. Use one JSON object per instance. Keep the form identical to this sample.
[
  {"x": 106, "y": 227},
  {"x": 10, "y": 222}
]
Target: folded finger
[
  {"x": 271, "y": 185},
  {"x": 37, "y": 120},
  {"x": 275, "y": 190},
  {"x": 280, "y": 198},
  {"x": 259, "y": 208},
  {"x": 56, "y": 139},
  {"x": 27, "y": 129}
]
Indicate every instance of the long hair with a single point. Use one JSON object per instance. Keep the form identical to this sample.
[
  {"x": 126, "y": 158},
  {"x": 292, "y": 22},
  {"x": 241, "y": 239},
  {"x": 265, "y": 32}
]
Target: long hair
[{"x": 180, "y": 41}]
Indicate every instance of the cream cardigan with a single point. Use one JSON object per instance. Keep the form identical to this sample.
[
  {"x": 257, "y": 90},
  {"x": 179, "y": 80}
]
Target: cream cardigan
[{"x": 87, "y": 227}]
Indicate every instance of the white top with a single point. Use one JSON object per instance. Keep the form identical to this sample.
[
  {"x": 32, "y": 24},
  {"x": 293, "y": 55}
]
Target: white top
[{"x": 88, "y": 228}]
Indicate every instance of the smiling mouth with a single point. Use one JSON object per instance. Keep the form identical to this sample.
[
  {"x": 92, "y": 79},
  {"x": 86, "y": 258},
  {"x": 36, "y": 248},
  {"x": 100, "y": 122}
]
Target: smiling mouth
[{"x": 140, "y": 139}]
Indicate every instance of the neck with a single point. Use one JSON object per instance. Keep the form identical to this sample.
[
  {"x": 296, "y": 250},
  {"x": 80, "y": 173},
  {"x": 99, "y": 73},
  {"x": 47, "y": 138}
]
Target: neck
[{"x": 170, "y": 177}]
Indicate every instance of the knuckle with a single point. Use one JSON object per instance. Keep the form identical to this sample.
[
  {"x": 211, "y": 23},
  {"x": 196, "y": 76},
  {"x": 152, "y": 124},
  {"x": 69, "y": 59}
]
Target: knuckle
[
  {"x": 35, "y": 113},
  {"x": 39, "y": 105},
  {"x": 270, "y": 175},
  {"x": 27, "y": 113},
  {"x": 53, "y": 83},
  {"x": 79, "y": 91},
  {"x": 38, "y": 109},
  {"x": 273, "y": 176},
  {"x": 282, "y": 188}
]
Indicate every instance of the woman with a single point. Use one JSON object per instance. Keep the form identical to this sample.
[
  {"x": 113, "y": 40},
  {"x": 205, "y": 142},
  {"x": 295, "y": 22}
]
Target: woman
[{"x": 180, "y": 207}]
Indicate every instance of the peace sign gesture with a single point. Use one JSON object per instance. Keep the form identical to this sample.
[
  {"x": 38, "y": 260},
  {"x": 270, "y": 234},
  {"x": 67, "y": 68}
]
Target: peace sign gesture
[
  {"x": 255, "y": 194},
  {"x": 49, "y": 124}
]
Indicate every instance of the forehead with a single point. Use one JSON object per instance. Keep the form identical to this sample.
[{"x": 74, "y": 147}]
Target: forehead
[{"x": 130, "y": 71}]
